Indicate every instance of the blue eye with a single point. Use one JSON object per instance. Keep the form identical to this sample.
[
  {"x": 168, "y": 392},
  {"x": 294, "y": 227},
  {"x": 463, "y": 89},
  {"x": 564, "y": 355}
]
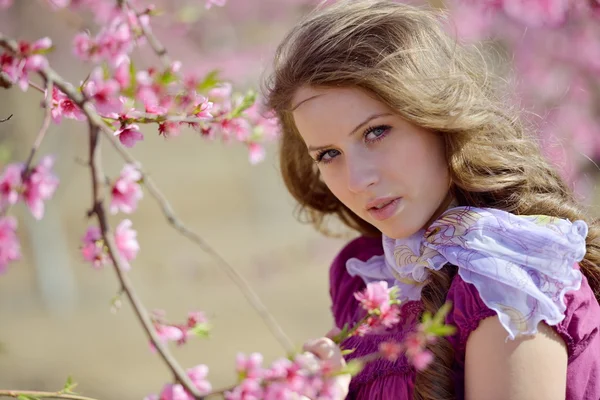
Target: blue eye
[
  {"x": 326, "y": 156},
  {"x": 375, "y": 133}
]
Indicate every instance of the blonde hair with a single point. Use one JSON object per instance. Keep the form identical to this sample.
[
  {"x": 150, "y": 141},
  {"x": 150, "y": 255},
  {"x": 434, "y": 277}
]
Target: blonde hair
[{"x": 401, "y": 55}]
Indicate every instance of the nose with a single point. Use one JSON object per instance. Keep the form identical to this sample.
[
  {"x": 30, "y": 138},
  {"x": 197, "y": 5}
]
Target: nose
[{"x": 361, "y": 174}]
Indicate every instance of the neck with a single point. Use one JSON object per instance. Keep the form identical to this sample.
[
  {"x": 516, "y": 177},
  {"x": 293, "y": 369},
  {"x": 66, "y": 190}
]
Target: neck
[{"x": 448, "y": 202}]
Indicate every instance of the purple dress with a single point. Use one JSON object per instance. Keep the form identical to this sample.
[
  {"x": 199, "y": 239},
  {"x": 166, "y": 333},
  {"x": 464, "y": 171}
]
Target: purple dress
[{"x": 386, "y": 380}]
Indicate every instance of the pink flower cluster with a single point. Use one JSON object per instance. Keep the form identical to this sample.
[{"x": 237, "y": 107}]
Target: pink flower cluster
[
  {"x": 33, "y": 187},
  {"x": 94, "y": 249},
  {"x": 196, "y": 325},
  {"x": 10, "y": 249},
  {"x": 62, "y": 106},
  {"x": 116, "y": 39},
  {"x": 381, "y": 305},
  {"x": 413, "y": 347},
  {"x": 304, "y": 375},
  {"x": 29, "y": 58},
  {"x": 174, "y": 391},
  {"x": 126, "y": 191}
]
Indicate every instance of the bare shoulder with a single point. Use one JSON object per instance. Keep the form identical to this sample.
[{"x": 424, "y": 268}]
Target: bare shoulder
[{"x": 527, "y": 368}]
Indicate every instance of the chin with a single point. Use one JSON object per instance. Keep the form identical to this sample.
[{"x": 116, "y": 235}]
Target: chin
[
  {"x": 400, "y": 228},
  {"x": 399, "y": 232}
]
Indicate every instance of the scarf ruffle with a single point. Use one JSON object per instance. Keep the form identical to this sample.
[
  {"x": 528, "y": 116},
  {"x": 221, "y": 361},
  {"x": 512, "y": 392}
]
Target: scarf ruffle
[{"x": 522, "y": 266}]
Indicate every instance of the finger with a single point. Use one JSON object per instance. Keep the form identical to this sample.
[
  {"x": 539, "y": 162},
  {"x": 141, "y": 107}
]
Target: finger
[
  {"x": 326, "y": 349},
  {"x": 333, "y": 332}
]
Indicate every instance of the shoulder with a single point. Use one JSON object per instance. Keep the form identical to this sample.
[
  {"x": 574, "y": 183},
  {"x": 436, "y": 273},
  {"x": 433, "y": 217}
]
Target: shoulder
[
  {"x": 578, "y": 328},
  {"x": 529, "y": 367},
  {"x": 341, "y": 284}
]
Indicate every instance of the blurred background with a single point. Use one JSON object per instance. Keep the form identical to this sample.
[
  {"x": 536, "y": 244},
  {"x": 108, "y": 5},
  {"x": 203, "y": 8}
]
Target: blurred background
[{"x": 55, "y": 310}]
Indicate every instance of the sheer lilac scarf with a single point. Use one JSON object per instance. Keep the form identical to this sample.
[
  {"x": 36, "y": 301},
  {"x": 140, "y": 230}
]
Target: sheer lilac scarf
[{"x": 522, "y": 266}]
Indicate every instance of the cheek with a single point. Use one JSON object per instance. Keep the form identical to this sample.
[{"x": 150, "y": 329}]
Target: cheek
[
  {"x": 422, "y": 161},
  {"x": 332, "y": 177}
]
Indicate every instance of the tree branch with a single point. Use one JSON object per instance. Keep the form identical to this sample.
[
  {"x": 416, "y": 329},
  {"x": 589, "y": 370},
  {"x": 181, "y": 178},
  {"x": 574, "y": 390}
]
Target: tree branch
[
  {"x": 254, "y": 300},
  {"x": 42, "y": 395},
  {"x": 126, "y": 285},
  {"x": 153, "y": 41},
  {"x": 45, "y": 124}
]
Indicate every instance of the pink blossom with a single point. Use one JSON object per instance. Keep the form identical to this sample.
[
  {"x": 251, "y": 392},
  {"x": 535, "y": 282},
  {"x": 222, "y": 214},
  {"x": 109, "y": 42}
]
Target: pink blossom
[
  {"x": 537, "y": 12},
  {"x": 39, "y": 185},
  {"x": 218, "y": 3},
  {"x": 235, "y": 127},
  {"x": 126, "y": 191},
  {"x": 170, "y": 333},
  {"x": 175, "y": 392},
  {"x": 391, "y": 350},
  {"x": 198, "y": 376},
  {"x": 105, "y": 93},
  {"x": 113, "y": 42},
  {"x": 10, "y": 250},
  {"x": 63, "y": 106},
  {"x": 5, "y": 4},
  {"x": 471, "y": 22},
  {"x": 10, "y": 183},
  {"x": 122, "y": 73},
  {"x": 375, "y": 297},
  {"x": 421, "y": 360},
  {"x": 28, "y": 59},
  {"x": 126, "y": 241},
  {"x": 57, "y": 4},
  {"x": 195, "y": 318},
  {"x": 129, "y": 135},
  {"x": 256, "y": 153},
  {"x": 249, "y": 366},
  {"x": 85, "y": 48},
  {"x": 93, "y": 249},
  {"x": 169, "y": 129}
]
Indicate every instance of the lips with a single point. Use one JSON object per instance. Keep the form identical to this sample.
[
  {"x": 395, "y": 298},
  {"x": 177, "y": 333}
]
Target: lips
[{"x": 383, "y": 208}]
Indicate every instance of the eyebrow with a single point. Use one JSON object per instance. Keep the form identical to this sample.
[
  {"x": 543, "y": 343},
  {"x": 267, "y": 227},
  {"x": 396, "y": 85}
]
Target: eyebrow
[
  {"x": 366, "y": 121},
  {"x": 304, "y": 101}
]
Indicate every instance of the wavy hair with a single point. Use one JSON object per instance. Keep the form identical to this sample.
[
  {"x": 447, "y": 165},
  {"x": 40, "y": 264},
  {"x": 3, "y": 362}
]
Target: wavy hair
[{"x": 402, "y": 55}]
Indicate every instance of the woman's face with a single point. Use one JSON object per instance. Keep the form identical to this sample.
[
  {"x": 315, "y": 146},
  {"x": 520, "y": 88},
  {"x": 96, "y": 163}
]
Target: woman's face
[{"x": 388, "y": 171}]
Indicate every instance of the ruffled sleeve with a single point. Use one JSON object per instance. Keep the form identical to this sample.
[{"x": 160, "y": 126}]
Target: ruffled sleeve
[
  {"x": 341, "y": 285},
  {"x": 521, "y": 266}
]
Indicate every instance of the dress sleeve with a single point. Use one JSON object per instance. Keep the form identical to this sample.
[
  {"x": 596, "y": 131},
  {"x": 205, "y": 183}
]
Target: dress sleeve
[{"x": 341, "y": 285}]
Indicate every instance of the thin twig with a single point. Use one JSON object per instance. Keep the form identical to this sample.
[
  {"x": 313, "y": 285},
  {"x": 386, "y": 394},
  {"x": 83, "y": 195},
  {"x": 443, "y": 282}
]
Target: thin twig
[
  {"x": 36, "y": 87},
  {"x": 45, "y": 124},
  {"x": 126, "y": 285},
  {"x": 42, "y": 395},
  {"x": 232, "y": 273},
  {"x": 6, "y": 119},
  {"x": 276, "y": 330},
  {"x": 153, "y": 41}
]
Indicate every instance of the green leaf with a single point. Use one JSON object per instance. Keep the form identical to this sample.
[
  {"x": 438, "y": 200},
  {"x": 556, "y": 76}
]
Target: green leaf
[
  {"x": 353, "y": 367},
  {"x": 201, "y": 330},
  {"x": 132, "y": 80},
  {"x": 44, "y": 51},
  {"x": 440, "y": 315},
  {"x": 444, "y": 330},
  {"x": 347, "y": 351},
  {"x": 27, "y": 397},
  {"x": 210, "y": 81},
  {"x": 69, "y": 385},
  {"x": 247, "y": 101},
  {"x": 167, "y": 77}
]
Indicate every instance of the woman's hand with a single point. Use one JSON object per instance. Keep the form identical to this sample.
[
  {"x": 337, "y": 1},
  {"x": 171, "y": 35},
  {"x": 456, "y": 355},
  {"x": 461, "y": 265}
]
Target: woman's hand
[{"x": 326, "y": 350}]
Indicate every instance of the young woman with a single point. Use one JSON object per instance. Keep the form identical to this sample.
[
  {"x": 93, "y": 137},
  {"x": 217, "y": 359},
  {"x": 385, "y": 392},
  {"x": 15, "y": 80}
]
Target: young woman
[{"x": 396, "y": 129}]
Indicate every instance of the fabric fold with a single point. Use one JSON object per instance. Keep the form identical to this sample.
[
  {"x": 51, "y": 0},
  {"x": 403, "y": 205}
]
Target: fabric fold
[{"x": 522, "y": 266}]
